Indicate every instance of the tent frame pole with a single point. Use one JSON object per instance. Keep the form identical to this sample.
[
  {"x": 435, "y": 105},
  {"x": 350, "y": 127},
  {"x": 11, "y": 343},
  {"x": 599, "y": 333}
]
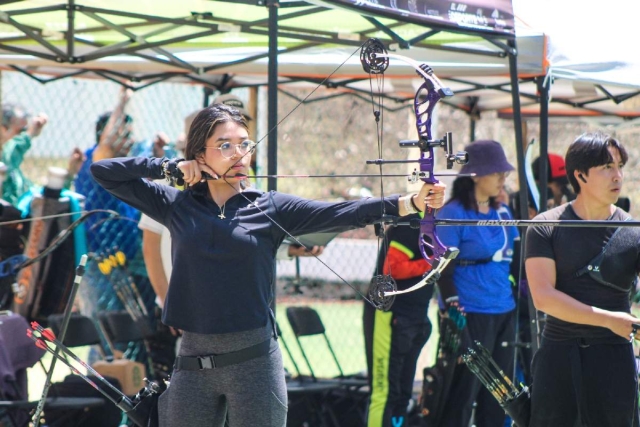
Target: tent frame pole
[{"x": 272, "y": 94}]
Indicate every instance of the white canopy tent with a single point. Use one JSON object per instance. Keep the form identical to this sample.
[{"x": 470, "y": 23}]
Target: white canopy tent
[
  {"x": 229, "y": 48},
  {"x": 223, "y": 45},
  {"x": 588, "y": 54},
  {"x": 84, "y": 38},
  {"x": 567, "y": 58}
]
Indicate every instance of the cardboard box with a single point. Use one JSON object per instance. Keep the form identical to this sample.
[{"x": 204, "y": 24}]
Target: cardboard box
[{"x": 130, "y": 374}]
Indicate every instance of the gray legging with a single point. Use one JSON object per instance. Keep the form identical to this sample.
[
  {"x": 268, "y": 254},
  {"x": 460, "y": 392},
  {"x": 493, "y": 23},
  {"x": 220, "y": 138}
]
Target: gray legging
[{"x": 252, "y": 393}]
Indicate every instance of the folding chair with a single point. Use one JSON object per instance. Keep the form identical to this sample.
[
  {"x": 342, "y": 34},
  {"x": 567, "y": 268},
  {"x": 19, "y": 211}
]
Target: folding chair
[
  {"x": 15, "y": 412},
  {"x": 82, "y": 331},
  {"x": 306, "y": 322},
  {"x": 121, "y": 328},
  {"x": 287, "y": 349},
  {"x": 308, "y": 400}
]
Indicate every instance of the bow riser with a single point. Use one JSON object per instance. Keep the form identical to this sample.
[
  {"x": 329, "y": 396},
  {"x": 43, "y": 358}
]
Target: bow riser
[{"x": 424, "y": 104}]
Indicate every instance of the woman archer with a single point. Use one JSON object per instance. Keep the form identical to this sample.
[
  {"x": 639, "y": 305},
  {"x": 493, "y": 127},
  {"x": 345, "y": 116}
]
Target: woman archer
[{"x": 224, "y": 243}]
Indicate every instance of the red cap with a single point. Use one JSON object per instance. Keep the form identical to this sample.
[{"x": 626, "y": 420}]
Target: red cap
[
  {"x": 557, "y": 167},
  {"x": 556, "y": 171}
]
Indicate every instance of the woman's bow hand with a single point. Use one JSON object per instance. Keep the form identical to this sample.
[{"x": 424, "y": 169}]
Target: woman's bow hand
[{"x": 430, "y": 195}]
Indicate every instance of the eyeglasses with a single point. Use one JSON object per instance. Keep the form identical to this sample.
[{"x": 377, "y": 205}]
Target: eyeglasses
[{"x": 228, "y": 150}]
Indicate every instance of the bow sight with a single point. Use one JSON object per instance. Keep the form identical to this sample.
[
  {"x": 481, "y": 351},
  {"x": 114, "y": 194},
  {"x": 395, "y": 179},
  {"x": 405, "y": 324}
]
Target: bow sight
[
  {"x": 446, "y": 142},
  {"x": 425, "y": 145}
]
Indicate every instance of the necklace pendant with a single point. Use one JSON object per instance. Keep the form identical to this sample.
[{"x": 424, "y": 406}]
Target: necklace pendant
[{"x": 221, "y": 216}]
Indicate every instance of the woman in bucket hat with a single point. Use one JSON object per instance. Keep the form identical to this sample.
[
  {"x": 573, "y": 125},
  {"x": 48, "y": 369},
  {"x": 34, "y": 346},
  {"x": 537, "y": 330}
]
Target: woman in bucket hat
[{"x": 479, "y": 283}]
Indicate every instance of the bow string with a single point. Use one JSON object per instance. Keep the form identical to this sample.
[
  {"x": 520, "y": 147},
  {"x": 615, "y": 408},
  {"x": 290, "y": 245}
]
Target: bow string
[{"x": 375, "y": 61}]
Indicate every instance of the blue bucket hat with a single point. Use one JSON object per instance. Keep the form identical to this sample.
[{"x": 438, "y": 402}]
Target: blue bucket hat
[{"x": 486, "y": 157}]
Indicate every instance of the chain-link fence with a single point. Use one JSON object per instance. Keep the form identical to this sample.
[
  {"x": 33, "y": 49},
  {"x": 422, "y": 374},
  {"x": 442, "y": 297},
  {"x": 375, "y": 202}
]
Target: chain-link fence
[{"x": 332, "y": 136}]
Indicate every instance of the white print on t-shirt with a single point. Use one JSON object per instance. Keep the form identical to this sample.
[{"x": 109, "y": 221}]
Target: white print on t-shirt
[{"x": 503, "y": 254}]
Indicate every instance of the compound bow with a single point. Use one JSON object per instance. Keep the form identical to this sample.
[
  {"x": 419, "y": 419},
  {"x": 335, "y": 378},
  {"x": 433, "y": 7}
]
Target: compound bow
[{"x": 375, "y": 60}]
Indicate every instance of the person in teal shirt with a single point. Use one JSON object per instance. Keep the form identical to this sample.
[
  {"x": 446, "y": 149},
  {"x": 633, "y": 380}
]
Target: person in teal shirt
[{"x": 15, "y": 141}]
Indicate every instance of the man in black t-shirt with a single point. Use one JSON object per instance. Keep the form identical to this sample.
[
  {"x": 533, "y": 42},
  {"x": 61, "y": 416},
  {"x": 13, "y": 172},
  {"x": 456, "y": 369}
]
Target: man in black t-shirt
[{"x": 584, "y": 372}]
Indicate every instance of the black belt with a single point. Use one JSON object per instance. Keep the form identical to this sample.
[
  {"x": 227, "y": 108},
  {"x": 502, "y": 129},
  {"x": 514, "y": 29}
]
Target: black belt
[
  {"x": 588, "y": 341},
  {"x": 197, "y": 363}
]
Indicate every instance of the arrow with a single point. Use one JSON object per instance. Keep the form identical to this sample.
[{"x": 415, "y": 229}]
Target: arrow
[{"x": 364, "y": 175}]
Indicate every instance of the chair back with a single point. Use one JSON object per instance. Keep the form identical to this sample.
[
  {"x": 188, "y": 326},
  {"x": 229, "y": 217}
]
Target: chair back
[
  {"x": 82, "y": 331},
  {"x": 121, "y": 327},
  {"x": 305, "y": 321}
]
